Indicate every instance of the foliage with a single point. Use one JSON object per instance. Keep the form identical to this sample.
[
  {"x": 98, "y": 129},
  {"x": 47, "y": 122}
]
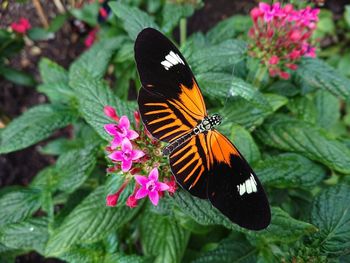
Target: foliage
[{"x": 293, "y": 132}]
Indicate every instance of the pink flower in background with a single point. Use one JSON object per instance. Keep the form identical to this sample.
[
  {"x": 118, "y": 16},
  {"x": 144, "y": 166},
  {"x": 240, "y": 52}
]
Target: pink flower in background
[
  {"x": 22, "y": 26},
  {"x": 150, "y": 186},
  {"x": 120, "y": 131},
  {"x": 281, "y": 35},
  {"x": 126, "y": 155},
  {"x": 268, "y": 11}
]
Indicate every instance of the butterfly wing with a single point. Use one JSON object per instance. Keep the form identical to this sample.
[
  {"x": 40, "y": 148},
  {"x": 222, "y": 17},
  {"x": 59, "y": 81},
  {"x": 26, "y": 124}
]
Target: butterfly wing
[
  {"x": 170, "y": 101},
  {"x": 209, "y": 166}
]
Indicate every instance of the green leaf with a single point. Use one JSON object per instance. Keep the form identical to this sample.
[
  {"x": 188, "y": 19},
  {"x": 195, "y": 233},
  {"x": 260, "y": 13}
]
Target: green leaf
[
  {"x": 39, "y": 34},
  {"x": 57, "y": 22},
  {"x": 201, "y": 210},
  {"x": 347, "y": 14},
  {"x": 88, "y": 13},
  {"x": 120, "y": 258},
  {"x": 245, "y": 143},
  {"x": 72, "y": 174},
  {"x": 93, "y": 95},
  {"x": 172, "y": 13},
  {"x": 229, "y": 250},
  {"x": 246, "y": 114},
  {"x": 17, "y": 76},
  {"x": 31, "y": 234},
  {"x": 60, "y": 146},
  {"x": 84, "y": 254},
  {"x": 218, "y": 57},
  {"x": 134, "y": 20},
  {"x": 88, "y": 63},
  {"x": 34, "y": 125},
  {"x": 229, "y": 28},
  {"x": 293, "y": 135},
  {"x": 224, "y": 86},
  {"x": 289, "y": 170},
  {"x": 303, "y": 108},
  {"x": 51, "y": 72},
  {"x": 328, "y": 109},
  {"x": 18, "y": 204},
  {"x": 283, "y": 228},
  {"x": 90, "y": 221},
  {"x": 344, "y": 65},
  {"x": 55, "y": 81},
  {"x": 317, "y": 74},
  {"x": 163, "y": 238},
  {"x": 331, "y": 214}
]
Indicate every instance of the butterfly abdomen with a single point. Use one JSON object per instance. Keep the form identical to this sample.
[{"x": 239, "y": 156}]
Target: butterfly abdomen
[
  {"x": 167, "y": 150},
  {"x": 208, "y": 123}
]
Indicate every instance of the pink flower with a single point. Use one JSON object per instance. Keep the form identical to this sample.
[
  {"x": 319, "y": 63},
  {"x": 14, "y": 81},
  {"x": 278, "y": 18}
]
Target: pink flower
[
  {"x": 274, "y": 60},
  {"x": 172, "y": 185},
  {"x": 112, "y": 200},
  {"x": 22, "y": 26},
  {"x": 111, "y": 113},
  {"x": 150, "y": 186},
  {"x": 91, "y": 37},
  {"x": 131, "y": 201},
  {"x": 120, "y": 131},
  {"x": 281, "y": 36},
  {"x": 269, "y": 11},
  {"x": 127, "y": 155}
]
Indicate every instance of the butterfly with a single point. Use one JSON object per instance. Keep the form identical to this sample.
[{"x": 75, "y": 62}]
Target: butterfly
[{"x": 203, "y": 161}]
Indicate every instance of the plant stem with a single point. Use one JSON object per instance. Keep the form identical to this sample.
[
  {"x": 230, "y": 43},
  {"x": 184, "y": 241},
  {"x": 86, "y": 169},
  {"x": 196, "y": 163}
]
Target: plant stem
[
  {"x": 183, "y": 30},
  {"x": 259, "y": 76}
]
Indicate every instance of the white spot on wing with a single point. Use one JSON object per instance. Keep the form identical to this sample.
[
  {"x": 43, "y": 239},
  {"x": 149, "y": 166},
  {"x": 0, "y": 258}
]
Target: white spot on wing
[
  {"x": 249, "y": 186},
  {"x": 171, "y": 59}
]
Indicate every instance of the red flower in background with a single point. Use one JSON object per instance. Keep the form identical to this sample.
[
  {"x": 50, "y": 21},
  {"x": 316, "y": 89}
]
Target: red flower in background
[
  {"x": 22, "y": 26},
  {"x": 281, "y": 36},
  {"x": 91, "y": 37}
]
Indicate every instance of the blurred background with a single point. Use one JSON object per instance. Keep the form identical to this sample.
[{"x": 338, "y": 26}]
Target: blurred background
[{"x": 60, "y": 30}]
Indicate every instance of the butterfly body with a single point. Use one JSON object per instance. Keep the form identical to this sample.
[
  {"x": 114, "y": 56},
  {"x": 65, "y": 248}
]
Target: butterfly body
[
  {"x": 203, "y": 161},
  {"x": 208, "y": 123}
]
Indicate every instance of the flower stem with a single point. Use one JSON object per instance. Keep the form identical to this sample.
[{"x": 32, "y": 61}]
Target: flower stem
[
  {"x": 183, "y": 30},
  {"x": 259, "y": 76}
]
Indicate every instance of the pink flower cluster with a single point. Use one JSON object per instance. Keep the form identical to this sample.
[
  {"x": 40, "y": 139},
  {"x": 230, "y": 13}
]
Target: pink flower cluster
[
  {"x": 281, "y": 36},
  {"x": 124, "y": 152},
  {"x": 22, "y": 26}
]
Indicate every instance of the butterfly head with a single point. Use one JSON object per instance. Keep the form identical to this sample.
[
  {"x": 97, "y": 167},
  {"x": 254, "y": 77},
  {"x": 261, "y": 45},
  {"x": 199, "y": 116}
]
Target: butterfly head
[{"x": 215, "y": 119}]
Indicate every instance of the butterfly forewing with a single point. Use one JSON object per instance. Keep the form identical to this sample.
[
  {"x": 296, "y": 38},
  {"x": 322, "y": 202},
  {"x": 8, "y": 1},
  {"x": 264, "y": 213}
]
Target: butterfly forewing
[
  {"x": 207, "y": 165},
  {"x": 170, "y": 101}
]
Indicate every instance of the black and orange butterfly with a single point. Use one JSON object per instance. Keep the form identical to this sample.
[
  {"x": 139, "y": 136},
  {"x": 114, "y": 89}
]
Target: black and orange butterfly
[{"x": 203, "y": 161}]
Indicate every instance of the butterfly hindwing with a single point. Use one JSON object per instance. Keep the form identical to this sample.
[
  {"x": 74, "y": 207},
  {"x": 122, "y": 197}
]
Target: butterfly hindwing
[
  {"x": 170, "y": 101},
  {"x": 209, "y": 166},
  {"x": 233, "y": 187}
]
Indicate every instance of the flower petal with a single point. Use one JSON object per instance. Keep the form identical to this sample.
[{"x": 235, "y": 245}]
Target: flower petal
[
  {"x": 110, "y": 128},
  {"x": 141, "y": 193},
  {"x": 131, "y": 135},
  {"x": 124, "y": 122},
  {"x": 116, "y": 156},
  {"x": 116, "y": 141},
  {"x": 137, "y": 154},
  {"x": 153, "y": 175},
  {"x": 126, "y": 165},
  {"x": 154, "y": 197},
  {"x": 126, "y": 145},
  {"x": 162, "y": 186},
  {"x": 142, "y": 180}
]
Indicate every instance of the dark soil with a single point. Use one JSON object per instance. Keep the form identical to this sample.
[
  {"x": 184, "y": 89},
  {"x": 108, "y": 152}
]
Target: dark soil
[{"x": 21, "y": 166}]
